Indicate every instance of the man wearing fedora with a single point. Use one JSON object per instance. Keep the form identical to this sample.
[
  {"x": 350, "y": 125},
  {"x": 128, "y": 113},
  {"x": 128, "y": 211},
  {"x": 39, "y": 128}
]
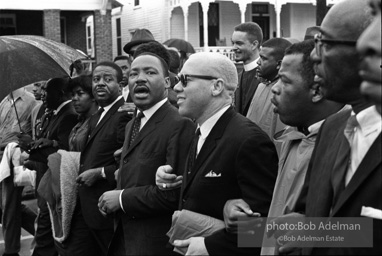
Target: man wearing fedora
[{"x": 139, "y": 37}]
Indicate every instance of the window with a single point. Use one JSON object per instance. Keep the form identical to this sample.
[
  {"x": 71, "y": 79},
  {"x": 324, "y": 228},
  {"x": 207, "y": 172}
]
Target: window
[
  {"x": 136, "y": 2},
  {"x": 63, "y": 29},
  {"x": 119, "y": 37},
  {"x": 89, "y": 37},
  {"x": 7, "y": 24}
]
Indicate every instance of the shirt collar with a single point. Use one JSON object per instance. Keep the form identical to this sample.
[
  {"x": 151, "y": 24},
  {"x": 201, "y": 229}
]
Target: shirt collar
[
  {"x": 151, "y": 111},
  {"x": 369, "y": 120},
  {"x": 252, "y": 65},
  {"x": 17, "y": 94},
  {"x": 207, "y": 126},
  {"x": 55, "y": 112},
  {"x": 105, "y": 109}
]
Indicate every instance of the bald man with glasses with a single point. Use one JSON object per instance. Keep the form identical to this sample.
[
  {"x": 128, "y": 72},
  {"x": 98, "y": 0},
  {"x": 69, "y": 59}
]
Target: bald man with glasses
[{"x": 230, "y": 157}]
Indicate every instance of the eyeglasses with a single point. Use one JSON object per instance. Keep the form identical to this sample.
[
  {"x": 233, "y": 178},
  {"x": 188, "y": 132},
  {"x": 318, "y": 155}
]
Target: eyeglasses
[
  {"x": 184, "y": 78},
  {"x": 319, "y": 41}
]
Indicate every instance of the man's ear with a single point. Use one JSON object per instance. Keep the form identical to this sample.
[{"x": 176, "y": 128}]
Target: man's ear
[
  {"x": 255, "y": 45},
  {"x": 316, "y": 93},
  {"x": 218, "y": 87},
  {"x": 278, "y": 64},
  {"x": 167, "y": 82}
]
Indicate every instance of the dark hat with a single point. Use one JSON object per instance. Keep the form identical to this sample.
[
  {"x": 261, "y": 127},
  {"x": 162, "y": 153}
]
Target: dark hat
[
  {"x": 140, "y": 36},
  {"x": 311, "y": 31}
]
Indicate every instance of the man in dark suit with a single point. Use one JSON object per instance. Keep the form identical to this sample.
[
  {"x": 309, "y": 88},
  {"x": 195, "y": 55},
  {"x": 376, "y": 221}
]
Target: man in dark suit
[
  {"x": 345, "y": 173},
  {"x": 91, "y": 232},
  {"x": 54, "y": 136},
  {"x": 234, "y": 157},
  {"x": 143, "y": 211},
  {"x": 246, "y": 41}
]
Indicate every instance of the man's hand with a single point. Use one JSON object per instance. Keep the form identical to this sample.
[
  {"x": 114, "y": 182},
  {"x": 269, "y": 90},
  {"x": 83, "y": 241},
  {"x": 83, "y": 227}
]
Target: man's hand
[
  {"x": 166, "y": 180},
  {"x": 24, "y": 141},
  {"x": 89, "y": 177},
  {"x": 127, "y": 107},
  {"x": 116, "y": 175},
  {"x": 236, "y": 209},
  {"x": 117, "y": 155},
  {"x": 109, "y": 202},
  {"x": 284, "y": 246},
  {"x": 42, "y": 143},
  {"x": 195, "y": 245}
]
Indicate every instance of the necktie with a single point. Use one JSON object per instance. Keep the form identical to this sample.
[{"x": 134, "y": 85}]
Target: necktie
[
  {"x": 136, "y": 127},
  {"x": 94, "y": 120},
  {"x": 192, "y": 152},
  {"x": 349, "y": 131}
]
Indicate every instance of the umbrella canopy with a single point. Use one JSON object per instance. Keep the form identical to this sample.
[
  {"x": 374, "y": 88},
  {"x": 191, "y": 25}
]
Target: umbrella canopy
[
  {"x": 27, "y": 59},
  {"x": 180, "y": 44}
]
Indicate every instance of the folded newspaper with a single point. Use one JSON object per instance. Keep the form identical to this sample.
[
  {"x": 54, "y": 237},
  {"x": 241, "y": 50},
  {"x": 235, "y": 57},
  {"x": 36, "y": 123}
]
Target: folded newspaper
[{"x": 186, "y": 224}]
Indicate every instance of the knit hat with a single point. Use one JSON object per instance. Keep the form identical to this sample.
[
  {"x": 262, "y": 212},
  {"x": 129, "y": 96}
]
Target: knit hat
[{"x": 140, "y": 36}]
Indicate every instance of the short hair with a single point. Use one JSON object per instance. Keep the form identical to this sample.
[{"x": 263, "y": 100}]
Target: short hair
[
  {"x": 253, "y": 30},
  {"x": 58, "y": 84},
  {"x": 122, "y": 57},
  {"x": 113, "y": 66},
  {"x": 83, "y": 81},
  {"x": 156, "y": 48},
  {"x": 78, "y": 66},
  {"x": 278, "y": 45},
  {"x": 39, "y": 83},
  {"x": 174, "y": 61},
  {"x": 306, "y": 67},
  {"x": 162, "y": 61}
]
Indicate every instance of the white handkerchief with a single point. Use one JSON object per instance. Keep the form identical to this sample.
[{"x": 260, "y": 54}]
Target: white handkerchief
[
  {"x": 213, "y": 174},
  {"x": 24, "y": 177},
  {"x": 371, "y": 212}
]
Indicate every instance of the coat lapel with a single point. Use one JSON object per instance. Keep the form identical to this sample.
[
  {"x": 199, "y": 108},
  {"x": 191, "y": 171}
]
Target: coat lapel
[
  {"x": 369, "y": 163},
  {"x": 104, "y": 120},
  {"x": 149, "y": 127},
  {"x": 210, "y": 144}
]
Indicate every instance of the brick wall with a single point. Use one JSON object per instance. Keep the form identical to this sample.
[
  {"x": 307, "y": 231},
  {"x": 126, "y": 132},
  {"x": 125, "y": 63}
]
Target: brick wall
[
  {"x": 102, "y": 36},
  {"x": 75, "y": 29},
  {"x": 52, "y": 25}
]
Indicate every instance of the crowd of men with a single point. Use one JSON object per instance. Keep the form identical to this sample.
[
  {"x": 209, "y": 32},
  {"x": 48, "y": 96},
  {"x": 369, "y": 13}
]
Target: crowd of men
[{"x": 144, "y": 156}]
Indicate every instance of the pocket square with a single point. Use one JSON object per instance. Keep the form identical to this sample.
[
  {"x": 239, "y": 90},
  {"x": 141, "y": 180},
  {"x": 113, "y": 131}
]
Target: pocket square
[
  {"x": 213, "y": 174},
  {"x": 371, "y": 212}
]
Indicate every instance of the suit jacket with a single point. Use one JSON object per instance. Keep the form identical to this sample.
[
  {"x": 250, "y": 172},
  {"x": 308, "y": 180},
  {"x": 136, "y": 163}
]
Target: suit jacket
[
  {"x": 164, "y": 139},
  {"x": 245, "y": 162},
  {"x": 58, "y": 129},
  {"x": 107, "y": 137},
  {"x": 248, "y": 82},
  {"x": 327, "y": 195}
]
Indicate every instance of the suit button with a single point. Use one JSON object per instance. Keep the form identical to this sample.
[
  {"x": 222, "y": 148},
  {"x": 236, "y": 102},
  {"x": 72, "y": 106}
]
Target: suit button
[
  {"x": 124, "y": 161},
  {"x": 184, "y": 201}
]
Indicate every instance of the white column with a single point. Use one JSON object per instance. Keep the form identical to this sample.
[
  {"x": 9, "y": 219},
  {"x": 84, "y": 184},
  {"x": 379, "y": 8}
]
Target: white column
[
  {"x": 278, "y": 6},
  {"x": 185, "y": 14},
  {"x": 205, "y": 7},
  {"x": 243, "y": 8}
]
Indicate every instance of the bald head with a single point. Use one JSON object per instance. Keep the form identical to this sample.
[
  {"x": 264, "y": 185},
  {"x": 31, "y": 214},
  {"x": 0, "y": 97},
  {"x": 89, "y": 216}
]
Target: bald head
[
  {"x": 215, "y": 64},
  {"x": 347, "y": 20}
]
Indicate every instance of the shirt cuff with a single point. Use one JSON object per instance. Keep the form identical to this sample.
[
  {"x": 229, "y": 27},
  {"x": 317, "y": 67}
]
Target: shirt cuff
[
  {"x": 120, "y": 200},
  {"x": 103, "y": 175}
]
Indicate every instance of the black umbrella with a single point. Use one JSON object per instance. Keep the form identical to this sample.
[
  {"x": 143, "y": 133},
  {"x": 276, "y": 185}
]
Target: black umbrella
[{"x": 27, "y": 59}]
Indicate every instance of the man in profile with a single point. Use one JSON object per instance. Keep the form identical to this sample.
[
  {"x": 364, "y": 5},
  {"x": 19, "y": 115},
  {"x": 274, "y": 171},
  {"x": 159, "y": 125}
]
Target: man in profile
[{"x": 246, "y": 41}]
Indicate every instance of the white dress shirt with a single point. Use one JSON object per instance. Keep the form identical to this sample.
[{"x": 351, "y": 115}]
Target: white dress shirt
[
  {"x": 207, "y": 126},
  {"x": 365, "y": 133}
]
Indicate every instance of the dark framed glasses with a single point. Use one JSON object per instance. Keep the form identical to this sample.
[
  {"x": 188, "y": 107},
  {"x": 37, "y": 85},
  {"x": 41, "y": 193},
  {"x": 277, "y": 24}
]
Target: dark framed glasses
[
  {"x": 319, "y": 41},
  {"x": 184, "y": 78}
]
